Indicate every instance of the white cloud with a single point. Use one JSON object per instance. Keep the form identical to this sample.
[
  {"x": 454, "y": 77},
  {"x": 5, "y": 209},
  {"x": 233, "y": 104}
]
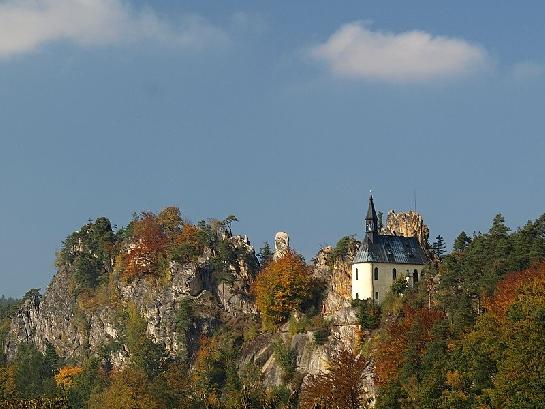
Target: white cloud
[
  {"x": 354, "y": 51},
  {"x": 27, "y": 24},
  {"x": 528, "y": 70}
]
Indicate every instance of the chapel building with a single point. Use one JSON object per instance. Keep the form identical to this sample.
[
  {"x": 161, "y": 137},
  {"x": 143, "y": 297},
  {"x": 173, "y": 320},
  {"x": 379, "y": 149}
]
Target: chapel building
[{"x": 382, "y": 259}]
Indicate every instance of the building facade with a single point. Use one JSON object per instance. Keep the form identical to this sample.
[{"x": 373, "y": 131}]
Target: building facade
[{"x": 382, "y": 259}]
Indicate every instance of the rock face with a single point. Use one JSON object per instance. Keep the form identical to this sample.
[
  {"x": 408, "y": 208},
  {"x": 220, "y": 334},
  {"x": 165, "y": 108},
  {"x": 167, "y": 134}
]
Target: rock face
[
  {"x": 75, "y": 326},
  {"x": 281, "y": 244},
  {"x": 407, "y": 224},
  {"x": 311, "y": 357}
]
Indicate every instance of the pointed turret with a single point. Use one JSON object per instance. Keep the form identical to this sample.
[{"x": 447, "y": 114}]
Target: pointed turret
[{"x": 371, "y": 220}]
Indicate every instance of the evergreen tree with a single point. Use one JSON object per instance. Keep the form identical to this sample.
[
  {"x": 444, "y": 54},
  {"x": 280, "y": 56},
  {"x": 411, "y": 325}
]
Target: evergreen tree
[
  {"x": 31, "y": 373},
  {"x": 461, "y": 242},
  {"x": 439, "y": 247},
  {"x": 265, "y": 254}
]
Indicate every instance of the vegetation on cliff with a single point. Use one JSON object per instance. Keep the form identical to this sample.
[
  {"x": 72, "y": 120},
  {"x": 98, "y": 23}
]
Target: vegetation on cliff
[
  {"x": 468, "y": 335},
  {"x": 282, "y": 287}
]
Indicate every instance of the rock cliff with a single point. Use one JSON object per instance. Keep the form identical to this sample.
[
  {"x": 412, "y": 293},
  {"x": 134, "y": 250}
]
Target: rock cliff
[
  {"x": 76, "y": 326},
  {"x": 79, "y": 325}
]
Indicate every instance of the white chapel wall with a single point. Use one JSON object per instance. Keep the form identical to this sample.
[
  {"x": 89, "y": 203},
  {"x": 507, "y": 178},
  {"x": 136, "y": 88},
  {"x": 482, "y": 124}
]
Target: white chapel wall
[{"x": 367, "y": 287}]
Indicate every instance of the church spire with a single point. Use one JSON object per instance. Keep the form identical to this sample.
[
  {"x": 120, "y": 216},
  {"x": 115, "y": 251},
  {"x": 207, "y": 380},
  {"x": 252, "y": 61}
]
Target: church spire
[{"x": 371, "y": 220}]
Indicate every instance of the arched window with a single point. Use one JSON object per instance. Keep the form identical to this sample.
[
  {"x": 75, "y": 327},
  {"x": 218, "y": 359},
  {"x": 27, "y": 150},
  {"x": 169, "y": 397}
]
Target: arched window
[
  {"x": 394, "y": 274},
  {"x": 356, "y": 275},
  {"x": 415, "y": 276},
  {"x": 376, "y": 273},
  {"x": 376, "y": 295},
  {"x": 357, "y": 296}
]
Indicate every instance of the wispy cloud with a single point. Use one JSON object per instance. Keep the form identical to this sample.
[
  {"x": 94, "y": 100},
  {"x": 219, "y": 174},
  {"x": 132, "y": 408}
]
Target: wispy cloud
[
  {"x": 355, "y": 51},
  {"x": 27, "y": 24}
]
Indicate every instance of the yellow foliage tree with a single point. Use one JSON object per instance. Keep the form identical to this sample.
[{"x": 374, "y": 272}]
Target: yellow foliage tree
[
  {"x": 170, "y": 221},
  {"x": 282, "y": 287},
  {"x": 65, "y": 376},
  {"x": 130, "y": 388}
]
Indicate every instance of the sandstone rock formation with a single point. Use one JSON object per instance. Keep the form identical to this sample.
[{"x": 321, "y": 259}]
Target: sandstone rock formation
[
  {"x": 407, "y": 224},
  {"x": 311, "y": 357},
  {"x": 281, "y": 244},
  {"x": 77, "y": 327},
  {"x": 58, "y": 318}
]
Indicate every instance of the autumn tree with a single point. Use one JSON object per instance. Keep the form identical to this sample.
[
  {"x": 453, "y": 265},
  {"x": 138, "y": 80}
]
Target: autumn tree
[
  {"x": 340, "y": 387},
  {"x": 502, "y": 361},
  {"x": 65, "y": 376},
  {"x": 498, "y": 363},
  {"x": 147, "y": 248},
  {"x": 214, "y": 376},
  {"x": 173, "y": 388},
  {"x": 189, "y": 244},
  {"x": 283, "y": 286},
  {"x": 92, "y": 378},
  {"x": 404, "y": 342},
  {"x": 170, "y": 220},
  {"x": 129, "y": 388}
]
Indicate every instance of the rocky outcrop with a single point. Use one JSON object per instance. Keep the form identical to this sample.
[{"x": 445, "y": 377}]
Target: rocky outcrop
[
  {"x": 407, "y": 224},
  {"x": 76, "y": 326},
  {"x": 313, "y": 357},
  {"x": 310, "y": 357},
  {"x": 235, "y": 296},
  {"x": 281, "y": 244}
]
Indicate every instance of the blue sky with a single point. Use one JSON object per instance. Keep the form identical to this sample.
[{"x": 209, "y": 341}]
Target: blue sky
[{"x": 283, "y": 113}]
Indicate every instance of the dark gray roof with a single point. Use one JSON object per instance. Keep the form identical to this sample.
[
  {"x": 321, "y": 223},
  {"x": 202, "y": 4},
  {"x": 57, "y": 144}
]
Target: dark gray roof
[{"x": 391, "y": 249}]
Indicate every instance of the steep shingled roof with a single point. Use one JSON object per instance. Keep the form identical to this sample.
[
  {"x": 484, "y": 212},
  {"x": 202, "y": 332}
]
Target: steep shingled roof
[{"x": 391, "y": 249}]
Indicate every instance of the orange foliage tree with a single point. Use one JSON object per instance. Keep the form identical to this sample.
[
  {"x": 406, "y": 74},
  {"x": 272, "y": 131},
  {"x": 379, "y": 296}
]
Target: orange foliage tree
[
  {"x": 413, "y": 329},
  {"x": 508, "y": 289},
  {"x": 148, "y": 246},
  {"x": 65, "y": 376},
  {"x": 282, "y": 287},
  {"x": 188, "y": 244},
  {"x": 157, "y": 239}
]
